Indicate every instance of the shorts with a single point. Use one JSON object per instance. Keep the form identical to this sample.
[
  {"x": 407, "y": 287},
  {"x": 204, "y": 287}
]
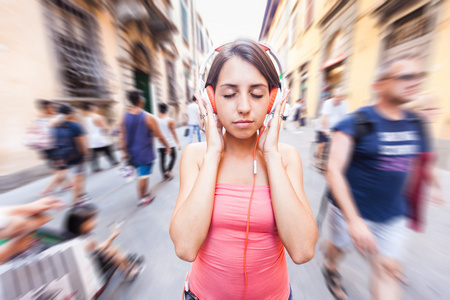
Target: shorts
[
  {"x": 390, "y": 236},
  {"x": 144, "y": 171},
  {"x": 78, "y": 166},
  {"x": 321, "y": 137}
]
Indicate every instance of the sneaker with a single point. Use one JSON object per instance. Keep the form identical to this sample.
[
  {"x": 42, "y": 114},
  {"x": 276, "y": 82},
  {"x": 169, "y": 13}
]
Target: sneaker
[
  {"x": 137, "y": 267},
  {"x": 84, "y": 198},
  {"x": 146, "y": 200}
]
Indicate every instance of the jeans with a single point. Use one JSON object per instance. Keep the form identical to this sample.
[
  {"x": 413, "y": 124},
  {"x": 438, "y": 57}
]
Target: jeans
[
  {"x": 193, "y": 128},
  {"x": 162, "y": 155},
  {"x": 107, "y": 150}
]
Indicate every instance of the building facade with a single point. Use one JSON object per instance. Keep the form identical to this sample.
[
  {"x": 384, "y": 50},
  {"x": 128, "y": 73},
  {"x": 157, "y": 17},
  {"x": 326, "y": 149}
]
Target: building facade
[
  {"x": 340, "y": 43},
  {"x": 75, "y": 51}
]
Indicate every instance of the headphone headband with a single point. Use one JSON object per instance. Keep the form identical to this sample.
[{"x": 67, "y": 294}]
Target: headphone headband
[{"x": 202, "y": 82}]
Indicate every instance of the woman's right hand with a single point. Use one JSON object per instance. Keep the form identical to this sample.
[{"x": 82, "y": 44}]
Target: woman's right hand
[{"x": 213, "y": 128}]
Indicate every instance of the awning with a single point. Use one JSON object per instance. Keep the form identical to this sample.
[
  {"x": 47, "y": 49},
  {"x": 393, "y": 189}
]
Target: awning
[{"x": 331, "y": 62}]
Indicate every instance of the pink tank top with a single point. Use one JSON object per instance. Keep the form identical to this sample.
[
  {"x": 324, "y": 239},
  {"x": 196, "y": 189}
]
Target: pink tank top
[{"x": 218, "y": 271}]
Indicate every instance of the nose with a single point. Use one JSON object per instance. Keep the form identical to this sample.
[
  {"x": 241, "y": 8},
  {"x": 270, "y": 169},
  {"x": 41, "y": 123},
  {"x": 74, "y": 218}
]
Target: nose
[{"x": 243, "y": 105}]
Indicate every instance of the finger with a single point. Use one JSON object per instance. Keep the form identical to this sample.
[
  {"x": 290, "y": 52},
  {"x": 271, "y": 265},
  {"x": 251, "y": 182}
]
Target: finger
[{"x": 280, "y": 108}]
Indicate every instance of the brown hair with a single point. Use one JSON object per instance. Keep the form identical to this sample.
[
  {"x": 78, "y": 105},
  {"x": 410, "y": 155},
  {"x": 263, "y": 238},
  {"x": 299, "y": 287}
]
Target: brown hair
[{"x": 252, "y": 53}]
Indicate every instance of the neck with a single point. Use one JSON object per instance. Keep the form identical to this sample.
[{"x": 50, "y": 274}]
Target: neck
[
  {"x": 135, "y": 109},
  {"x": 161, "y": 116},
  {"x": 389, "y": 109},
  {"x": 239, "y": 147}
]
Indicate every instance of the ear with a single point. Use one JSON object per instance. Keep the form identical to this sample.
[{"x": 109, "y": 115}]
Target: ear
[{"x": 211, "y": 97}]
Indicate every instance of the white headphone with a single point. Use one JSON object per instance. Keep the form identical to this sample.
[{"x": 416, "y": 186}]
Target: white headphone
[{"x": 276, "y": 94}]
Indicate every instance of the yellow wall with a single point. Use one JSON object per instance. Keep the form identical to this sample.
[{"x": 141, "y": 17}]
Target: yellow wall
[
  {"x": 27, "y": 72},
  {"x": 364, "y": 59},
  {"x": 439, "y": 63}
]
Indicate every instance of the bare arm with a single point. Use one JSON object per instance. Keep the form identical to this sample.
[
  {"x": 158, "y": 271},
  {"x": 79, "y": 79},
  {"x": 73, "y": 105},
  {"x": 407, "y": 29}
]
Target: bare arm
[
  {"x": 122, "y": 138},
  {"x": 99, "y": 121},
  {"x": 324, "y": 123},
  {"x": 81, "y": 142},
  {"x": 174, "y": 133},
  {"x": 106, "y": 244},
  {"x": 294, "y": 218},
  {"x": 33, "y": 208},
  {"x": 153, "y": 125},
  {"x": 339, "y": 158},
  {"x": 191, "y": 217}
]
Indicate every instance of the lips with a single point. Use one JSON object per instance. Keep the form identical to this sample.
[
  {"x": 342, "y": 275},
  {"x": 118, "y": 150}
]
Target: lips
[{"x": 243, "y": 123}]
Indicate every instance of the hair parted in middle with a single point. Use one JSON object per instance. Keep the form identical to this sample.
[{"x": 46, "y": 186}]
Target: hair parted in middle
[{"x": 250, "y": 52}]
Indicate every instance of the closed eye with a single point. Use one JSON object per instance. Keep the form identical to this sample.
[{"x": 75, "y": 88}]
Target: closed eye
[
  {"x": 230, "y": 95},
  {"x": 256, "y": 96}
]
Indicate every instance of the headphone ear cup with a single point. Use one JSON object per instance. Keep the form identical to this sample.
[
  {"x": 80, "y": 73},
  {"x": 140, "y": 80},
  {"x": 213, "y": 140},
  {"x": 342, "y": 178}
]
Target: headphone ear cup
[
  {"x": 273, "y": 96},
  {"x": 211, "y": 96}
]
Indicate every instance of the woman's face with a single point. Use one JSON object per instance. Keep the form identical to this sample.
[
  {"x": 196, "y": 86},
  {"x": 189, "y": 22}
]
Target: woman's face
[{"x": 242, "y": 97}]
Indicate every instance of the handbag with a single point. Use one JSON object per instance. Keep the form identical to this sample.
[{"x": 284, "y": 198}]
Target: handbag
[{"x": 186, "y": 131}]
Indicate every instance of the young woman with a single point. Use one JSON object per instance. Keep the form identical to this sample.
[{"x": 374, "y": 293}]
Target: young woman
[{"x": 232, "y": 224}]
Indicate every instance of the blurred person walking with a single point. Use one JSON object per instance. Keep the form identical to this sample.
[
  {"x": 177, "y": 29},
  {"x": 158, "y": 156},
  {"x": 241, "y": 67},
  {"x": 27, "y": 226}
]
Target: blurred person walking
[
  {"x": 333, "y": 110},
  {"x": 97, "y": 135},
  {"x": 167, "y": 127},
  {"x": 40, "y": 137},
  {"x": 303, "y": 113},
  {"x": 287, "y": 111},
  {"x": 138, "y": 129},
  {"x": 194, "y": 121},
  {"x": 69, "y": 153},
  {"x": 371, "y": 154}
]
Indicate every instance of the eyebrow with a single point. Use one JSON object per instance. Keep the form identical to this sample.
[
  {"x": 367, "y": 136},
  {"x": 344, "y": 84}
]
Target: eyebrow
[{"x": 235, "y": 85}]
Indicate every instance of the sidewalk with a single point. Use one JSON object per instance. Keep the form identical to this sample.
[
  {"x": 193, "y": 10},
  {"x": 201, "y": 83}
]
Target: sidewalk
[{"x": 145, "y": 231}]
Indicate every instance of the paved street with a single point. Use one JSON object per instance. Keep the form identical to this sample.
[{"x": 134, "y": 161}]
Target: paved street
[{"x": 145, "y": 230}]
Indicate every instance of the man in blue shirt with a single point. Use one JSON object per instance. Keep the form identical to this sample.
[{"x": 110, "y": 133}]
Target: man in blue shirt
[
  {"x": 138, "y": 129},
  {"x": 367, "y": 175}
]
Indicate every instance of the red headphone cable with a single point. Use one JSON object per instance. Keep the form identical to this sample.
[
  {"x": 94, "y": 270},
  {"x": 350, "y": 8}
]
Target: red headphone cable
[{"x": 249, "y": 209}]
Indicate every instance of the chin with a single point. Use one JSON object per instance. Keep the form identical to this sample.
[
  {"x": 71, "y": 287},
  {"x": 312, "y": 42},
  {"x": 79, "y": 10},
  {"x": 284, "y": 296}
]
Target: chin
[{"x": 242, "y": 134}]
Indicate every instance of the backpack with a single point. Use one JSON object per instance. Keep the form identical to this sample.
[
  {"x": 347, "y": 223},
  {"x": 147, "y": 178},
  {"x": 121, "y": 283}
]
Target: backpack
[
  {"x": 364, "y": 126},
  {"x": 65, "y": 145},
  {"x": 39, "y": 136}
]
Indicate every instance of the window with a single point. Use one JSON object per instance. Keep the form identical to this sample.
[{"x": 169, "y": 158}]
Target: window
[
  {"x": 184, "y": 20},
  {"x": 309, "y": 10},
  {"x": 171, "y": 82},
  {"x": 293, "y": 29},
  {"x": 200, "y": 38},
  {"x": 408, "y": 28},
  {"x": 75, "y": 36}
]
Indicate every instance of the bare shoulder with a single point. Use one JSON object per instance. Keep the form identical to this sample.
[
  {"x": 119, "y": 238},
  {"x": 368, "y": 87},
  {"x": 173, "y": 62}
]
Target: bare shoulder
[
  {"x": 289, "y": 154},
  {"x": 195, "y": 152}
]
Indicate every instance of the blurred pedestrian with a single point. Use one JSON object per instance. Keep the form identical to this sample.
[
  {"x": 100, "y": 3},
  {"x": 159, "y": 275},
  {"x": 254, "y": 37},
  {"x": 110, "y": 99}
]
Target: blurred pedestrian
[
  {"x": 215, "y": 223},
  {"x": 70, "y": 153},
  {"x": 372, "y": 151},
  {"x": 287, "y": 111},
  {"x": 303, "y": 113},
  {"x": 19, "y": 221},
  {"x": 98, "y": 135},
  {"x": 40, "y": 136},
  {"x": 81, "y": 220},
  {"x": 333, "y": 110},
  {"x": 138, "y": 129},
  {"x": 296, "y": 112},
  {"x": 167, "y": 128},
  {"x": 193, "y": 119}
]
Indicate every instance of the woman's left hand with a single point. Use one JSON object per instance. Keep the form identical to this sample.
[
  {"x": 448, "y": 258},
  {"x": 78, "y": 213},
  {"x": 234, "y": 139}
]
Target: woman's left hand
[{"x": 268, "y": 143}]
